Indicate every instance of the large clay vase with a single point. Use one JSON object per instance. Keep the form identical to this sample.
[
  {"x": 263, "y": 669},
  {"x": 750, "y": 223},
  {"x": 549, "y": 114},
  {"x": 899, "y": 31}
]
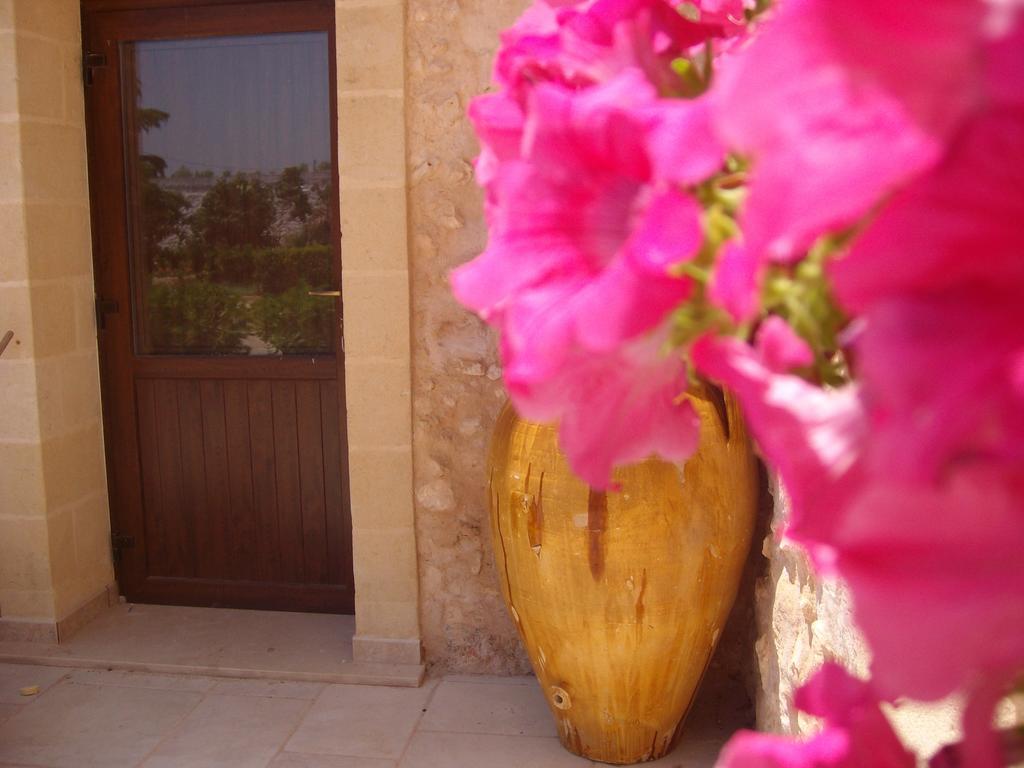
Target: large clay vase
[{"x": 620, "y": 597}]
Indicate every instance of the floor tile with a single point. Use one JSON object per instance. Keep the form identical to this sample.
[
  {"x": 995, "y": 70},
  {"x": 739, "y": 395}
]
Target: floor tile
[
  {"x": 296, "y": 760},
  {"x": 473, "y": 750},
  {"x": 230, "y": 732},
  {"x": 269, "y": 688},
  {"x": 497, "y": 708},
  {"x": 14, "y": 677},
  {"x": 124, "y": 679},
  {"x": 92, "y": 726},
  {"x": 360, "y": 721}
]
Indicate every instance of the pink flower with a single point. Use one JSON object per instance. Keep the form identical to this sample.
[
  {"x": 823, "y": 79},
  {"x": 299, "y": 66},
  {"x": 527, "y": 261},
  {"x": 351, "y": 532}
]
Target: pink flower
[
  {"x": 928, "y": 542},
  {"x": 579, "y": 44},
  {"x": 735, "y": 282},
  {"x": 934, "y": 574},
  {"x": 583, "y": 237},
  {"x": 780, "y": 347},
  {"x": 926, "y": 557},
  {"x": 938, "y": 279},
  {"x": 498, "y": 121},
  {"x": 730, "y": 14},
  {"x": 958, "y": 225},
  {"x": 581, "y": 219},
  {"x": 908, "y": 486},
  {"x": 856, "y": 733},
  {"x": 585, "y": 170},
  {"x": 840, "y": 103},
  {"x": 939, "y": 373}
]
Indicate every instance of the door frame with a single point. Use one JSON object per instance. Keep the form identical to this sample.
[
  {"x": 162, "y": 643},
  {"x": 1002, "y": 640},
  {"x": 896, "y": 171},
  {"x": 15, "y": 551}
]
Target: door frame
[
  {"x": 106, "y": 134},
  {"x": 374, "y": 199}
]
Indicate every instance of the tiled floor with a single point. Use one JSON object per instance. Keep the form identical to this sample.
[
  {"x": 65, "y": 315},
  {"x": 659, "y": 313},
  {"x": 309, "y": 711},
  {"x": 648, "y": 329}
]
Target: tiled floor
[{"x": 118, "y": 719}]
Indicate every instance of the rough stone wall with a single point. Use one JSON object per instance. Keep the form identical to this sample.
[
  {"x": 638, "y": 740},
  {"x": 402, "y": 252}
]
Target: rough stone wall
[
  {"x": 803, "y": 621},
  {"x": 456, "y": 379}
]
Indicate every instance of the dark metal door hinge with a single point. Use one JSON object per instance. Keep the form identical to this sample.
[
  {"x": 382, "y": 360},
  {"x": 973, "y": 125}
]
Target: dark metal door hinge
[
  {"x": 90, "y": 63},
  {"x": 120, "y": 542},
  {"x": 105, "y": 307}
]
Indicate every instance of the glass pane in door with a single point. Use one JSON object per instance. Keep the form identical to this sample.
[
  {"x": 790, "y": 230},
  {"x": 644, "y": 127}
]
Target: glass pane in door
[{"x": 230, "y": 194}]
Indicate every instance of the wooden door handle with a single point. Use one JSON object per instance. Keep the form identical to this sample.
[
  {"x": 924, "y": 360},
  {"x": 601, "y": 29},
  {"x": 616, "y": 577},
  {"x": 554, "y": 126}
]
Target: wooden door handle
[{"x": 327, "y": 294}]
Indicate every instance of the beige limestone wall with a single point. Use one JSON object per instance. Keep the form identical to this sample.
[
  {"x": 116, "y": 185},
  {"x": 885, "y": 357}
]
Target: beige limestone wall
[
  {"x": 803, "y": 621},
  {"x": 54, "y": 529},
  {"x": 375, "y": 295},
  {"x": 457, "y": 390}
]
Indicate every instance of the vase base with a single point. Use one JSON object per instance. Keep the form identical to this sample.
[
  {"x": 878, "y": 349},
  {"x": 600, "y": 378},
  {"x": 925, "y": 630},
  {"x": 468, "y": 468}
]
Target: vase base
[{"x": 624, "y": 746}]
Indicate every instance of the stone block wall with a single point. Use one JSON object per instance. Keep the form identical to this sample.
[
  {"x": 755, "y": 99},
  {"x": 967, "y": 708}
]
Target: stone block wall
[
  {"x": 54, "y": 528},
  {"x": 375, "y": 296},
  {"x": 456, "y": 379}
]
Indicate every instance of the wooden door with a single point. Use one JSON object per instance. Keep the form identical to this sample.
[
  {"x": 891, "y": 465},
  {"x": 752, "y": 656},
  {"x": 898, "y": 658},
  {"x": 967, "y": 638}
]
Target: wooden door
[{"x": 213, "y": 172}]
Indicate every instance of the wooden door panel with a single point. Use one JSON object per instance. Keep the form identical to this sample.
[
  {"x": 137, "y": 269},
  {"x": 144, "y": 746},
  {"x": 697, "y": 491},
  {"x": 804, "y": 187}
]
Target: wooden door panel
[
  {"x": 193, "y": 475},
  {"x": 212, "y": 551},
  {"x": 178, "y": 524},
  {"x": 286, "y": 473},
  {"x": 268, "y": 442},
  {"x": 223, "y": 401},
  {"x": 309, "y": 420},
  {"x": 241, "y": 534},
  {"x": 336, "y": 512}
]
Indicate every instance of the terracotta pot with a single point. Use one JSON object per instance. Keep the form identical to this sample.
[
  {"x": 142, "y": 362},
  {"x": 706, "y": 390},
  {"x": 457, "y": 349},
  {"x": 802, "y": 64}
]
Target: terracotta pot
[{"x": 620, "y": 597}]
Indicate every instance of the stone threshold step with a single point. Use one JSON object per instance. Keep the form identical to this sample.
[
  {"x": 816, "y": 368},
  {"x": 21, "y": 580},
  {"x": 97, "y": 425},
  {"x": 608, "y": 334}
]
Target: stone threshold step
[{"x": 352, "y": 673}]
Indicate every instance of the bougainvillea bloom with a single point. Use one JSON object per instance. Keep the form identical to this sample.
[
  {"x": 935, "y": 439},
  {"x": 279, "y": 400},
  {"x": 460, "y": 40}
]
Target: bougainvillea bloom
[
  {"x": 939, "y": 362},
  {"x": 582, "y": 209},
  {"x": 839, "y": 103},
  {"x": 856, "y": 733},
  {"x": 579, "y": 44},
  {"x": 780, "y": 347},
  {"x": 734, "y": 284},
  {"x": 937, "y": 561},
  {"x": 972, "y": 203},
  {"x": 584, "y": 236}
]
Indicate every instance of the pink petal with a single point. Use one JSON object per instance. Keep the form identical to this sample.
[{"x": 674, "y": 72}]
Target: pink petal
[
  {"x": 939, "y": 372},
  {"x": 780, "y": 347},
  {"x": 667, "y": 232},
  {"x": 682, "y": 143},
  {"x": 622, "y": 303},
  {"x": 498, "y": 122},
  {"x": 813, "y": 437},
  {"x": 981, "y": 746},
  {"x": 840, "y": 103},
  {"x": 938, "y": 562},
  {"x": 625, "y": 408},
  {"x": 600, "y": 128},
  {"x": 735, "y": 282},
  {"x": 581, "y": 44},
  {"x": 961, "y": 223}
]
